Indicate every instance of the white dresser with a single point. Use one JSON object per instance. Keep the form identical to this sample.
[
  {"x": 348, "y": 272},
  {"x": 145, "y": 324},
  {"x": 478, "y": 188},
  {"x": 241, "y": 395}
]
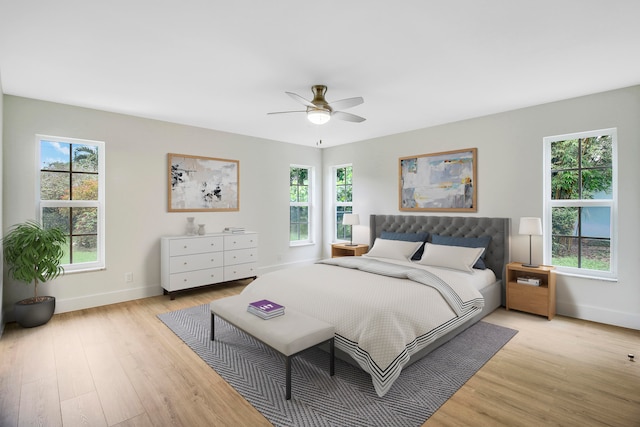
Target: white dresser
[{"x": 192, "y": 261}]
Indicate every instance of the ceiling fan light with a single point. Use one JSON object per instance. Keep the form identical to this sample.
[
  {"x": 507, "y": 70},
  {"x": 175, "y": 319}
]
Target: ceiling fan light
[{"x": 318, "y": 116}]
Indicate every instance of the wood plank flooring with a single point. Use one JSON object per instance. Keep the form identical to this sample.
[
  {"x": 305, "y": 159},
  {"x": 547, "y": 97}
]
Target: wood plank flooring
[{"x": 119, "y": 365}]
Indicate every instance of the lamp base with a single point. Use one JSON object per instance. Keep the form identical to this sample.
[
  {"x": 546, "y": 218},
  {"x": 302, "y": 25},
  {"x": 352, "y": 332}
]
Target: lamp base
[
  {"x": 351, "y": 244},
  {"x": 531, "y": 265}
]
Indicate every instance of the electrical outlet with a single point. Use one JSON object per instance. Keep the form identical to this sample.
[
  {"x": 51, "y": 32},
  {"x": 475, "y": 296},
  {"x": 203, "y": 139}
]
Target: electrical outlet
[{"x": 128, "y": 277}]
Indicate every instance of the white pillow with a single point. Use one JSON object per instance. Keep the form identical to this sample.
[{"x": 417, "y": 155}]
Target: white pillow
[
  {"x": 394, "y": 249},
  {"x": 454, "y": 257}
]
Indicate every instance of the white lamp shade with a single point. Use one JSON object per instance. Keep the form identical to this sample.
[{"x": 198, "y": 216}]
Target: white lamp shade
[
  {"x": 351, "y": 219},
  {"x": 530, "y": 226},
  {"x": 318, "y": 117}
]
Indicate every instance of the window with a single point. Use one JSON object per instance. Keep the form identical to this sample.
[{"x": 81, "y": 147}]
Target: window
[
  {"x": 343, "y": 199},
  {"x": 299, "y": 204},
  {"x": 581, "y": 203},
  {"x": 71, "y": 196}
]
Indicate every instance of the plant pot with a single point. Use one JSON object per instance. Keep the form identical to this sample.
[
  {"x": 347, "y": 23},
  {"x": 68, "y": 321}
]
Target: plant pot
[{"x": 30, "y": 312}]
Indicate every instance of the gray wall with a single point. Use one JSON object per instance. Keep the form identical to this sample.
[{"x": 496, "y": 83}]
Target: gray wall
[
  {"x": 510, "y": 184},
  {"x": 136, "y": 194},
  {"x": 2, "y": 318}
]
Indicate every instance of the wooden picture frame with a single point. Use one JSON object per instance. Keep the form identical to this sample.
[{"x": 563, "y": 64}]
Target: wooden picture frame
[
  {"x": 439, "y": 182},
  {"x": 203, "y": 184}
]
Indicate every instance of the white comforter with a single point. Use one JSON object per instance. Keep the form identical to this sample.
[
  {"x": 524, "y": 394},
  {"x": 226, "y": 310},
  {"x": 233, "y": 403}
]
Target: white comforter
[{"x": 380, "y": 320}]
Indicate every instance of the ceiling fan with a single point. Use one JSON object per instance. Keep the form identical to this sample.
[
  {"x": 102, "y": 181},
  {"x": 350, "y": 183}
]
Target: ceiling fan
[{"x": 319, "y": 111}]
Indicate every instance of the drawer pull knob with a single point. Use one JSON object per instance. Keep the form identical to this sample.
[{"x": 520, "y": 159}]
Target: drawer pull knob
[
  {"x": 185, "y": 263},
  {"x": 185, "y": 280}
]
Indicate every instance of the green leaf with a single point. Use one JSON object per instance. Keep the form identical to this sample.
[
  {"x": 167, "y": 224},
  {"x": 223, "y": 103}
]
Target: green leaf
[{"x": 33, "y": 253}]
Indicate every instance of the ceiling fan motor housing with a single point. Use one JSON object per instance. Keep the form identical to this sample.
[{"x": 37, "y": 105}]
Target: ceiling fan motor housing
[
  {"x": 319, "y": 111},
  {"x": 318, "y": 98}
]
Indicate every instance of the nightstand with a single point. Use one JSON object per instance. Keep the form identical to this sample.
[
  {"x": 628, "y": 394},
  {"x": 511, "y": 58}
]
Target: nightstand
[
  {"x": 530, "y": 298},
  {"x": 343, "y": 249}
]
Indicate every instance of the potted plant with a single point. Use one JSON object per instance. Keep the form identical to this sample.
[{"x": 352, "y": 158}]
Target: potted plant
[{"x": 33, "y": 255}]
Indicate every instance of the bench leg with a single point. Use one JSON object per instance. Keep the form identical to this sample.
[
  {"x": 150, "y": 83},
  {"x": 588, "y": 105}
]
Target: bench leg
[
  {"x": 332, "y": 360},
  {"x": 213, "y": 317},
  {"x": 288, "y": 368}
]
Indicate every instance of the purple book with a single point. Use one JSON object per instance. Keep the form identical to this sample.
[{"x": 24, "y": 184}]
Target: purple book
[{"x": 266, "y": 306}]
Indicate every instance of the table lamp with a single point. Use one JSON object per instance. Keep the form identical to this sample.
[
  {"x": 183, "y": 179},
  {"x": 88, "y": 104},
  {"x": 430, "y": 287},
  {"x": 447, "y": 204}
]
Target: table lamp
[
  {"x": 351, "y": 220},
  {"x": 532, "y": 227}
]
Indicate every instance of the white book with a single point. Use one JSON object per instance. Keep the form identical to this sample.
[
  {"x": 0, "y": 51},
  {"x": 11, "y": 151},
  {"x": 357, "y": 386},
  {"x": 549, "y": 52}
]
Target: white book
[
  {"x": 528, "y": 281},
  {"x": 236, "y": 230}
]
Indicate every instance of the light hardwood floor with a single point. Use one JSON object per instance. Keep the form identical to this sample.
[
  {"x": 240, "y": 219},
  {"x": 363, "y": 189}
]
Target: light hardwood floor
[{"x": 119, "y": 365}]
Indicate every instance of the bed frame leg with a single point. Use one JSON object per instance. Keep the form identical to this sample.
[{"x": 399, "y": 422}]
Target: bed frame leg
[
  {"x": 288, "y": 367},
  {"x": 213, "y": 316},
  {"x": 332, "y": 360}
]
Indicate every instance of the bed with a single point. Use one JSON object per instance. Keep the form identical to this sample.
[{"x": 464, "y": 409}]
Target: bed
[{"x": 404, "y": 298}]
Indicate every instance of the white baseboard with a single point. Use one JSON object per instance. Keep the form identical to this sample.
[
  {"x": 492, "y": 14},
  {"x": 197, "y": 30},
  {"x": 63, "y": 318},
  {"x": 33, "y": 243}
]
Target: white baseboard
[
  {"x": 590, "y": 313},
  {"x": 97, "y": 300},
  {"x": 599, "y": 315}
]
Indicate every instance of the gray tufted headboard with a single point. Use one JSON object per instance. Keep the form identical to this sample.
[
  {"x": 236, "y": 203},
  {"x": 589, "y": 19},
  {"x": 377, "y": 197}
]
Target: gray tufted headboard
[{"x": 499, "y": 250}]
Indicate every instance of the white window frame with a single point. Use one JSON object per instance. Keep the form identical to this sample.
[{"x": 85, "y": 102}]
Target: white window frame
[
  {"x": 612, "y": 204},
  {"x": 336, "y": 204},
  {"x": 99, "y": 204},
  {"x": 308, "y": 204}
]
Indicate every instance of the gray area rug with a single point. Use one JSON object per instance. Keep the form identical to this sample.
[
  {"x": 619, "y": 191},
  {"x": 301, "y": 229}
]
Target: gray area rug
[{"x": 348, "y": 398}]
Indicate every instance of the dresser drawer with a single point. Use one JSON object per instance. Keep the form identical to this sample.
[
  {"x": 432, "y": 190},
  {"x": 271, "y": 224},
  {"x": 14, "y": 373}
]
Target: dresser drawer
[
  {"x": 196, "y": 278},
  {"x": 240, "y": 241},
  {"x": 241, "y": 256},
  {"x": 240, "y": 271},
  {"x": 180, "y": 264},
  {"x": 189, "y": 262},
  {"x": 195, "y": 245}
]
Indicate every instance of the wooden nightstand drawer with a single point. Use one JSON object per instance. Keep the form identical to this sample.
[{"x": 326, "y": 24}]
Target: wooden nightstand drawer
[{"x": 532, "y": 299}]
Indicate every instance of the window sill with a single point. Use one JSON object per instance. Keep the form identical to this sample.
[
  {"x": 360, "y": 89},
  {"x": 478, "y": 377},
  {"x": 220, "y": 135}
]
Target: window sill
[
  {"x": 298, "y": 244},
  {"x": 587, "y": 276},
  {"x": 84, "y": 270}
]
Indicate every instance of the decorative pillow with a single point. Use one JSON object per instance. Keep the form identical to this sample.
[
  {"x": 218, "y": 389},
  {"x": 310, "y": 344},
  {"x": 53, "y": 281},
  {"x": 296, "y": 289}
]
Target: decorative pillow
[
  {"x": 465, "y": 242},
  {"x": 394, "y": 249},
  {"x": 408, "y": 237},
  {"x": 454, "y": 257}
]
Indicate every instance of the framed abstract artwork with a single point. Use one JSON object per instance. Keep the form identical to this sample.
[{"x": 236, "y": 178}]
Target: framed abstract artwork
[
  {"x": 444, "y": 182},
  {"x": 203, "y": 184}
]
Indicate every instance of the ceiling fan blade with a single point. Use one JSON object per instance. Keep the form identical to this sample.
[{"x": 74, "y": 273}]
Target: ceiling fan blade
[
  {"x": 347, "y": 116},
  {"x": 300, "y": 99},
  {"x": 343, "y": 104},
  {"x": 285, "y": 112}
]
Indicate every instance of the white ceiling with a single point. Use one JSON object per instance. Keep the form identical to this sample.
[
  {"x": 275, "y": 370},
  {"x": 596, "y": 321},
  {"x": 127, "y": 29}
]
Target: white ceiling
[{"x": 224, "y": 64}]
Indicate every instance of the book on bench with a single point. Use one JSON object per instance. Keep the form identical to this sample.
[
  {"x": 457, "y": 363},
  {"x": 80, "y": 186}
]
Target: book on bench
[{"x": 265, "y": 309}]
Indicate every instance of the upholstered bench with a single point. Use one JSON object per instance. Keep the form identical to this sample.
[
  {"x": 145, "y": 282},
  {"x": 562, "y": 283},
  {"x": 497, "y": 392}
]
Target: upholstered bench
[{"x": 288, "y": 334}]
